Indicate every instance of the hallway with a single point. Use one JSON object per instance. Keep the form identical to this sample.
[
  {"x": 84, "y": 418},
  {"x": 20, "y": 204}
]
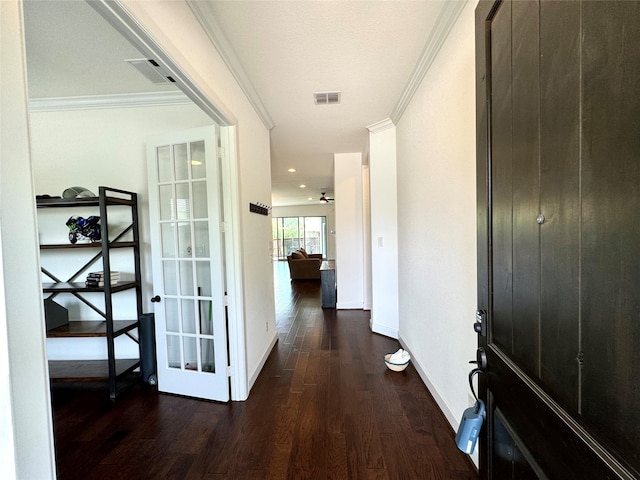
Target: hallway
[{"x": 324, "y": 406}]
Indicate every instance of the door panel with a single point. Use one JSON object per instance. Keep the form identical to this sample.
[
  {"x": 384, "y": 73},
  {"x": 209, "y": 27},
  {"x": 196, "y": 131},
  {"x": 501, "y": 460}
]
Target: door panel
[
  {"x": 509, "y": 461},
  {"x": 502, "y": 267},
  {"x": 525, "y": 183},
  {"x": 611, "y": 223},
  {"x": 559, "y": 199},
  {"x": 559, "y": 116},
  {"x": 556, "y": 443}
]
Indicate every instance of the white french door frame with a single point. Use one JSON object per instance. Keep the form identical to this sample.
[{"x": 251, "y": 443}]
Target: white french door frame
[
  {"x": 233, "y": 259},
  {"x": 120, "y": 18}
]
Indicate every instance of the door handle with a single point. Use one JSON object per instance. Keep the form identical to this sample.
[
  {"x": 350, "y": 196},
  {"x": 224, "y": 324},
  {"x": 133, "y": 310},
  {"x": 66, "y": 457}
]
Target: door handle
[
  {"x": 155, "y": 299},
  {"x": 481, "y": 362},
  {"x": 481, "y": 359}
]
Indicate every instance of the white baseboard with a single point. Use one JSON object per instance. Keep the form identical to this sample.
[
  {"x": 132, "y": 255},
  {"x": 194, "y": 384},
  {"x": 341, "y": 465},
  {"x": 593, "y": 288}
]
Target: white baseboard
[
  {"x": 383, "y": 330},
  {"x": 263, "y": 360},
  {"x": 452, "y": 417},
  {"x": 349, "y": 306}
]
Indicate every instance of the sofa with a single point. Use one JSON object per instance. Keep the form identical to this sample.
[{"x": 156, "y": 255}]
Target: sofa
[{"x": 304, "y": 266}]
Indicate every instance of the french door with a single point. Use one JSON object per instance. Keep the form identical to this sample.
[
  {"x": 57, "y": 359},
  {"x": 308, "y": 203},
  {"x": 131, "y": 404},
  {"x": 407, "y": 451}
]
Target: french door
[{"x": 188, "y": 263}]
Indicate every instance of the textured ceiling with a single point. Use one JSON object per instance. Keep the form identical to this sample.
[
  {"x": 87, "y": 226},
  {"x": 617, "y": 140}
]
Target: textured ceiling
[{"x": 288, "y": 49}]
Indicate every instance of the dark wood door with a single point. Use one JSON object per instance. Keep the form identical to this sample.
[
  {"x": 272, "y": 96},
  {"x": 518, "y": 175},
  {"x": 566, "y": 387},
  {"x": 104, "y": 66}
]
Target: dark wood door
[{"x": 558, "y": 121}]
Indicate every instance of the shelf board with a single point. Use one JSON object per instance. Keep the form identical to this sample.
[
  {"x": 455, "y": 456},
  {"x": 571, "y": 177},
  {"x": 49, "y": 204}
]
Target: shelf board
[
  {"x": 56, "y": 202},
  {"x": 95, "y": 245},
  {"x": 88, "y": 370},
  {"x": 67, "y": 202},
  {"x": 80, "y": 287},
  {"x": 92, "y": 328}
]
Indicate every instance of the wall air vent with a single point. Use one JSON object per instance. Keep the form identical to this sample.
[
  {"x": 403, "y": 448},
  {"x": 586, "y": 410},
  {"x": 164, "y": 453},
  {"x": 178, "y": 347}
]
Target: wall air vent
[
  {"x": 151, "y": 69},
  {"x": 327, "y": 98}
]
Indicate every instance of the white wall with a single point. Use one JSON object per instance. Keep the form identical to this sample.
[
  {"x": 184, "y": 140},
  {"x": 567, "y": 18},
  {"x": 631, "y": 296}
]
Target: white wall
[
  {"x": 384, "y": 229},
  {"x": 92, "y": 148},
  {"x": 173, "y": 26},
  {"x": 349, "y": 230},
  {"x": 29, "y": 440},
  {"x": 317, "y": 210},
  {"x": 437, "y": 221}
]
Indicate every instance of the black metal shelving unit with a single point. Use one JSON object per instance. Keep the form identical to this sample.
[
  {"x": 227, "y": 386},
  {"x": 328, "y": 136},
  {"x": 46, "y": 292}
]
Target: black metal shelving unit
[{"x": 111, "y": 369}]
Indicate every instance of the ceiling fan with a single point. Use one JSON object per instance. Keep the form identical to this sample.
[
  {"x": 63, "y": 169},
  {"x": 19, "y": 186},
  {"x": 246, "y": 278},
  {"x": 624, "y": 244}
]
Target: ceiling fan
[{"x": 324, "y": 199}]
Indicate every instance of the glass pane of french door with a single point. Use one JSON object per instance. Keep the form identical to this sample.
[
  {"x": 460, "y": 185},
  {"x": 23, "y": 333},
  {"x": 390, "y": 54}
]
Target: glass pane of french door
[{"x": 185, "y": 241}]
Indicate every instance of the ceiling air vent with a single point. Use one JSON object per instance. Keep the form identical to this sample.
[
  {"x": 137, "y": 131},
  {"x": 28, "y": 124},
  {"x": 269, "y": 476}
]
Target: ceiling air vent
[
  {"x": 150, "y": 69},
  {"x": 327, "y": 98}
]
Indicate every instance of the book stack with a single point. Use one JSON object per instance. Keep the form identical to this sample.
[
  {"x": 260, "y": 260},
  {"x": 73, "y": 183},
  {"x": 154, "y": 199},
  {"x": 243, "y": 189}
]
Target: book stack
[{"x": 96, "y": 279}]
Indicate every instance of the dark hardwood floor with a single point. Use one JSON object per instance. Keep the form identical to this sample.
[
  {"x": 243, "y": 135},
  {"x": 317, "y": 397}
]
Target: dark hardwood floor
[{"x": 324, "y": 407}]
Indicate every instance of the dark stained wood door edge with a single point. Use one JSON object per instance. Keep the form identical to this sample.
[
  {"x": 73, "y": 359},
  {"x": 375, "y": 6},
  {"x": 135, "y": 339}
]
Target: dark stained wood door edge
[{"x": 483, "y": 188}]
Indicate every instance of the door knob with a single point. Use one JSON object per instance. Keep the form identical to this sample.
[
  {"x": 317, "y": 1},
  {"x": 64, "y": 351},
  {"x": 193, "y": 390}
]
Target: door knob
[{"x": 155, "y": 299}]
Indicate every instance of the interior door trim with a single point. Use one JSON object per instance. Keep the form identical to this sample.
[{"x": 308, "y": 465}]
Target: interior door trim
[{"x": 121, "y": 19}]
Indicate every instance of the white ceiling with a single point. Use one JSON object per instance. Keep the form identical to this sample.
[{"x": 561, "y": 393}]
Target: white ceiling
[
  {"x": 73, "y": 51},
  {"x": 288, "y": 49}
]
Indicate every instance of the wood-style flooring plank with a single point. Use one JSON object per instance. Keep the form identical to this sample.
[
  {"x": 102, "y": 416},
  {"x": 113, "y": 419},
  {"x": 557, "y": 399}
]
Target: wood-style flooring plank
[
  {"x": 308, "y": 454},
  {"x": 323, "y": 407}
]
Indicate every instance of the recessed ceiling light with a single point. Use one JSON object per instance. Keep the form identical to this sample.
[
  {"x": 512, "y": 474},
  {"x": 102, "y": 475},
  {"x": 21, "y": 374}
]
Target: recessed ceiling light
[
  {"x": 310, "y": 198},
  {"x": 291, "y": 170},
  {"x": 303, "y": 186}
]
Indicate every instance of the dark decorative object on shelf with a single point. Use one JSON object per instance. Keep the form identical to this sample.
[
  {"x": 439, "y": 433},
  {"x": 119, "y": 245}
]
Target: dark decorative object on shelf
[
  {"x": 55, "y": 315},
  {"x": 80, "y": 227},
  {"x": 259, "y": 208}
]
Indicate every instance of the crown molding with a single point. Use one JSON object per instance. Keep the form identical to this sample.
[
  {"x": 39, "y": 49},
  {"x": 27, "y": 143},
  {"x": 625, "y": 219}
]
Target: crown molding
[
  {"x": 217, "y": 38},
  {"x": 447, "y": 18},
  {"x": 123, "y": 100},
  {"x": 381, "y": 125}
]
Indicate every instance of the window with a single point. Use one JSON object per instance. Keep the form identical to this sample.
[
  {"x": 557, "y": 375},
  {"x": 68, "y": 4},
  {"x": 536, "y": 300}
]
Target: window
[{"x": 291, "y": 233}]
